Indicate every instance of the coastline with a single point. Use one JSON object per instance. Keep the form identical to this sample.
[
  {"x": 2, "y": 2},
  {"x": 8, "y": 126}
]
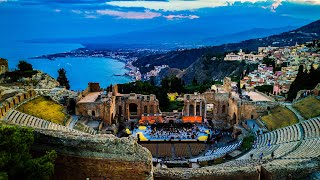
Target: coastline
[{"x": 122, "y": 57}]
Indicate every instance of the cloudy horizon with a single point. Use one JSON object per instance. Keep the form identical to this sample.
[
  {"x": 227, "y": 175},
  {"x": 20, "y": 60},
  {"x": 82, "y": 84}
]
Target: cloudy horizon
[{"x": 47, "y": 18}]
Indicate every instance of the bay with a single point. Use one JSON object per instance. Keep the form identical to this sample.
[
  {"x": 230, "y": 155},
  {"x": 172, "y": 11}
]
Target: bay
[{"x": 80, "y": 70}]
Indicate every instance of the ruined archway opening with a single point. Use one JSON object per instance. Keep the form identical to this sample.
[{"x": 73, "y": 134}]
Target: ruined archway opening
[
  {"x": 224, "y": 109},
  {"x": 198, "y": 110},
  {"x": 145, "y": 111},
  {"x": 234, "y": 119},
  {"x": 191, "y": 110},
  {"x": 120, "y": 110},
  {"x": 133, "y": 110}
]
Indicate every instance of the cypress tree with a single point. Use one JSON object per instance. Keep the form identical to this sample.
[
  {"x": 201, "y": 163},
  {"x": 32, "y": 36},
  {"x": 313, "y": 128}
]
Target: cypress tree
[{"x": 62, "y": 78}]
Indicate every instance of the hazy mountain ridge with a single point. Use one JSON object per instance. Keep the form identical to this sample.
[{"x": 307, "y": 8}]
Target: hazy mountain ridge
[
  {"x": 188, "y": 33},
  {"x": 245, "y": 35}
]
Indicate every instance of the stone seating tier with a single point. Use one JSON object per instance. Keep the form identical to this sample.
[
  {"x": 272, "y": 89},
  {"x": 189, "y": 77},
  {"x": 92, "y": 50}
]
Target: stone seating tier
[{"x": 23, "y": 119}]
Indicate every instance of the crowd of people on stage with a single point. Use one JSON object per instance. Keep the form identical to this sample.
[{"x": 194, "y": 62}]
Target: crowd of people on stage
[{"x": 175, "y": 133}]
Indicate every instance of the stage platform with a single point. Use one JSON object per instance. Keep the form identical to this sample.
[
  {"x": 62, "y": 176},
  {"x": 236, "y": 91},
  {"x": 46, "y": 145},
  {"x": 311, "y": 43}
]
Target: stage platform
[{"x": 197, "y": 133}]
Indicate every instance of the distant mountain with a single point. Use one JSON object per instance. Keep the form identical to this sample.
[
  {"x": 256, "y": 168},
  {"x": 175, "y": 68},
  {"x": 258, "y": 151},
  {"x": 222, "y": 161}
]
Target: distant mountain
[
  {"x": 184, "y": 58},
  {"x": 244, "y": 35},
  {"x": 191, "y": 33}
]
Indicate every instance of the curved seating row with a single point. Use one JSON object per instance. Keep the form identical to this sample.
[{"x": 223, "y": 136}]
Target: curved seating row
[
  {"x": 219, "y": 152},
  {"x": 23, "y": 119},
  {"x": 311, "y": 128},
  {"x": 284, "y": 135},
  {"x": 300, "y": 140}
]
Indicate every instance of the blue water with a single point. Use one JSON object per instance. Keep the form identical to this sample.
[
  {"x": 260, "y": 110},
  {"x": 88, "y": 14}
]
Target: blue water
[{"x": 80, "y": 71}]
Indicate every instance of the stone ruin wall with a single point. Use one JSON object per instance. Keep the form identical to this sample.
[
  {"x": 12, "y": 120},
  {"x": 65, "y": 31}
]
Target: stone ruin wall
[
  {"x": 254, "y": 110},
  {"x": 220, "y": 105},
  {"x": 95, "y": 157},
  {"x": 240, "y": 110},
  {"x": 270, "y": 170},
  {"x": 208, "y": 173},
  {"x": 11, "y": 102}
]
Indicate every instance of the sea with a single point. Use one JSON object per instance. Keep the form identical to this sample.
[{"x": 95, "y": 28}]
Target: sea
[{"x": 80, "y": 70}]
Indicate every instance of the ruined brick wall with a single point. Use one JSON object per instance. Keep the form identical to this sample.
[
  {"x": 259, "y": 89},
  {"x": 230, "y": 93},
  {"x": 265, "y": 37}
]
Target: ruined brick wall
[
  {"x": 220, "y": 105},
  {"x": 233, "y": 110},
  {"x": 254, "y": 110},
  {"x": 95, "y": 157},
  {"x": 14, "y": 101},
  {"x": 4, "y": 67},
  {"x": 73, "y": 167},
  {"x": 146, "y": 104},
  {"x": 94, "y": 87}
]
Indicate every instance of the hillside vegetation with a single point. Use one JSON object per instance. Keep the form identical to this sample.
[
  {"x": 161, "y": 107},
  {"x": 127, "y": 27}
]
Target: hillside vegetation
[
  {"x": 44, "y": 108},
  {"x": 279, "y": 117},
  {"x": 308, "y": 107},
  {"x": 207, "y": 68}
]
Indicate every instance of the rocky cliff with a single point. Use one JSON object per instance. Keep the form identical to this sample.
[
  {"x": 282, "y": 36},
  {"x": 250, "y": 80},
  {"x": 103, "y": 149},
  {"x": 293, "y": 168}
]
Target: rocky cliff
[{"x": 44, "y": 81}]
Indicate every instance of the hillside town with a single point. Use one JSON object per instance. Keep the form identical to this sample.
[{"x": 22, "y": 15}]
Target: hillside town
[
  {"x": 285, "y": 69},
  {"x": 279, "y": 74}
]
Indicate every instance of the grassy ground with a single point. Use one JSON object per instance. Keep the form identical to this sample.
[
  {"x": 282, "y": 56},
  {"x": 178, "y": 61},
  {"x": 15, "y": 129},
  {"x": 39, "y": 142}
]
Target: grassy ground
[
  {"x": 44, "y": 108},
  {"x": 308, "y": 107},
  {"x": 279, "y": 117}
]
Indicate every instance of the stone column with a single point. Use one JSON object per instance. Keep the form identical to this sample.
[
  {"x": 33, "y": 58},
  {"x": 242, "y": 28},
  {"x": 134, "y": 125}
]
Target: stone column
[
  {"x": 205, "y": 110},
  {"x": 195, "y": 108},
  {"x": 201, "y": 108},
  {"x": 188, "y": 110},
  {"x": 127, "y": 111}
]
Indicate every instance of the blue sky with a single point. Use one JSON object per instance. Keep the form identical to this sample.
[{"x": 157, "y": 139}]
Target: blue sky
[{"x": 29, "y": 19}]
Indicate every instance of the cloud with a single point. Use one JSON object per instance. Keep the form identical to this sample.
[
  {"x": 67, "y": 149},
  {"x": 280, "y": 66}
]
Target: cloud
[
  {"x": 178, "y": 5},
  {"x": 76, "y": 11},
  {"x": 314, "y": 2},
  {"x": 130, "y": 14},
  {"x": 90, "y": 16},
  {"x": 147, "y": 14},
  {"x": 57, "y": 10},
  {"x": 180, "y": 16}
]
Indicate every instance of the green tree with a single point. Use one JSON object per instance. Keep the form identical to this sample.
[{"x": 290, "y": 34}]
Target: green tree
[
  {"x": 304, "y": 80},
  {"x": 15, "y": 158},
  {"x": 265, "y": 88},
  {"x": 62, "y": 78},
  {"x": 194, "y": 81},
  {"x": 24, "y": 66},
  {"x": 176, "y": 85}
]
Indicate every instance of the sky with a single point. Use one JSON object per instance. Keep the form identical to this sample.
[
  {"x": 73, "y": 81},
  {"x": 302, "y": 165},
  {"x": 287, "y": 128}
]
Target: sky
[{"x": 32, "y": 19}]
